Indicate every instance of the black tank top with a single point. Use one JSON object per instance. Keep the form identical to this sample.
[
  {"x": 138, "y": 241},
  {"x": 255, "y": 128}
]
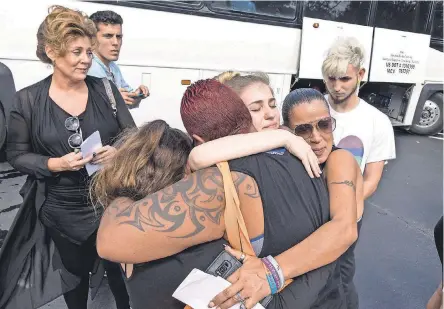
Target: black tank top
[
  {"x": 322, "y": 165},
  {"x": 294, "y": 207},
  {"x": 152, "y": 284},
  {"x": 294, "y": 204}
]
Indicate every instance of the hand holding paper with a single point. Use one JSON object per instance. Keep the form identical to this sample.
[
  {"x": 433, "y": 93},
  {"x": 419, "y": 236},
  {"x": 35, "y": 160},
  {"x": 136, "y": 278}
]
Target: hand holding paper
[
  {"x": 91, "y": 144},
  {"x": 199, "y": 288}
]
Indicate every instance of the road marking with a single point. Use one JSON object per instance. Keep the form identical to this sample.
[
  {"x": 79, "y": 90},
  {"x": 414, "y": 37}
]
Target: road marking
[
  {"x": 437, "y": 137},
  {"x": 440, "y": 133},
  {"x": 411, "y": 224}
]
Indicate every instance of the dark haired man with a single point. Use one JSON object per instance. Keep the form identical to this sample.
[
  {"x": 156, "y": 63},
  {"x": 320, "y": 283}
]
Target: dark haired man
[{"x": 109, "y": 42}]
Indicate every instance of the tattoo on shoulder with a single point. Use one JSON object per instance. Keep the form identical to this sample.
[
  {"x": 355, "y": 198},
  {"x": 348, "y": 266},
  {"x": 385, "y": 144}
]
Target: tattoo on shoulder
[
  {"x": 345, "y": 182},
  {"x": 248, "y": 185},
  {"x": 198, "y": 198}
]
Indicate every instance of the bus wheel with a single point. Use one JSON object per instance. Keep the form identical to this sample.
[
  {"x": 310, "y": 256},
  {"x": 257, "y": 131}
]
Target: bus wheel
[{"x": 431, "y": 119}]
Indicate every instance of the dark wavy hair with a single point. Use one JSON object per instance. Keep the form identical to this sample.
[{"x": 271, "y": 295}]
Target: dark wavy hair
[
  {"x": 106, "y": 17},
  {"x": 299, "y": 96}
]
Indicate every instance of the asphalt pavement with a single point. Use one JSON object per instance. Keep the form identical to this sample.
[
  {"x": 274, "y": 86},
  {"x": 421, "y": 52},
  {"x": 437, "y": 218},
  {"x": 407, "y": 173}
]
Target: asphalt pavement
[{"x": 397, "y": 262}]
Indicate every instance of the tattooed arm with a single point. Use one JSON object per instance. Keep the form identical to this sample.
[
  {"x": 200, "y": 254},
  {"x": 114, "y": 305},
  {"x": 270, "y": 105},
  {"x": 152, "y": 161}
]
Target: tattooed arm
[
  {"x": 333, "y": 238},
  {"x": 185, "y": 214},
  {"x": 312, "y": 261}
]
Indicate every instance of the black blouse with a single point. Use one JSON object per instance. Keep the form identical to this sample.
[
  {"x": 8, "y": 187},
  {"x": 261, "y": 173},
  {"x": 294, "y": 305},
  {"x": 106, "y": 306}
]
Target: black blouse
[
  {"x": 66, "y": 206},
  {"x": 28, "y": 254}
]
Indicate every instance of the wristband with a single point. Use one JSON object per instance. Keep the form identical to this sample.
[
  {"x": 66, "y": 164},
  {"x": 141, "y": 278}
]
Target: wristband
[
  {"x": 278, "y": 269},
  {"x": 273, "y": 279}
]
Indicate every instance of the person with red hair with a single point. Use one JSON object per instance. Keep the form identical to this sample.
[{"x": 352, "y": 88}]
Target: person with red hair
[
  {"x": 223, "y": 111},
  {"x": 276, "y": 195}
]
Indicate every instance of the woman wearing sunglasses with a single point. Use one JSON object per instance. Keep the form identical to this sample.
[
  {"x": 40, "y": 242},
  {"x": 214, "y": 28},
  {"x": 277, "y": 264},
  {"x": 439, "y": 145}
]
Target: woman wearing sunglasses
[
  {"x": 306, "y": 113},
  {"x": 47, "y": 126}
]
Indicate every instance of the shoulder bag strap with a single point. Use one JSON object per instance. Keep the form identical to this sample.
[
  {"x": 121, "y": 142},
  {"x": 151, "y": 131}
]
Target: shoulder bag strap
[
  {"x": 234, "y": 221},
  {"x": 110, "y": 94}
]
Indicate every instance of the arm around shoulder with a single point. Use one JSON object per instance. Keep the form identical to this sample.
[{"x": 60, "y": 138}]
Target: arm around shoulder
[
  {"x": 185, "y": 214},
  {"x": 236, "y": 146},
  {"x": 332, "y": 239}
]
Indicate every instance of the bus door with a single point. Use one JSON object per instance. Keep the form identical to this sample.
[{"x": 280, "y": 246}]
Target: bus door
[{"x": 323, "y": 23}]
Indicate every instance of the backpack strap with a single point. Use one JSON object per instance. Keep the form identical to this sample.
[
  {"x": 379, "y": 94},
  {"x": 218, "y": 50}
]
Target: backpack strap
[{"x": 109, "y": 92}]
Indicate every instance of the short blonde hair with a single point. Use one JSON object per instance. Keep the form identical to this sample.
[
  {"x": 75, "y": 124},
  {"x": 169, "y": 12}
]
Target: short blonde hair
[
  {"x": 59, "y": 28},
  {"x": 238, "y": 82},
  {"x": 344, "y": 51},
  {"x": 226, "y": 76}
]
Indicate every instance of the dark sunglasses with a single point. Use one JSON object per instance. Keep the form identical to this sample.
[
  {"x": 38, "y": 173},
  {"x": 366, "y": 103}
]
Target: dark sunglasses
[
  {"x": 73, "y": 124},
  {"x": 325, "y": 125}
]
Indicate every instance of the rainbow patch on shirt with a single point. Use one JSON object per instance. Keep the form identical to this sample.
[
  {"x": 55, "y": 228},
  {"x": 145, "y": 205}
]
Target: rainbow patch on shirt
[{"x": 353, "y": 144}]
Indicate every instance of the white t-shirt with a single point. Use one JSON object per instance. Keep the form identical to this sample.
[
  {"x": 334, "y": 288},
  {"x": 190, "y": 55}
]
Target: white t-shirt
[{"x": 366, "y": 132}]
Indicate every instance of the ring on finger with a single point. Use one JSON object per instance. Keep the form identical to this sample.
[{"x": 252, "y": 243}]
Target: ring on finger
[
  {"x": 242, "y": 258},
  {"x": 239, "y": 298}
]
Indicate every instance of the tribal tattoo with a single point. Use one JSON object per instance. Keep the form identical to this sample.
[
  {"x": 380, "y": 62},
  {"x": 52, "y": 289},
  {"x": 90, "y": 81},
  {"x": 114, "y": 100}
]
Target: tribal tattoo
[
  {"x": 183, "y": 209},
  {"x": 345, "y": 182},
  {"x": 248, "y": 186}
]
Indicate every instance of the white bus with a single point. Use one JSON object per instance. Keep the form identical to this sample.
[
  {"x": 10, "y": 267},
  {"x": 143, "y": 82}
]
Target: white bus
[{"x": 169, "y": 44}]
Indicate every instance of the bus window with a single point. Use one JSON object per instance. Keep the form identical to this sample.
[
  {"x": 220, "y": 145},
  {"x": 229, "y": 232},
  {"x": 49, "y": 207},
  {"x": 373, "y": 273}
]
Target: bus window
[
  {"x": 281, "y": 9},
  {"x": 353, "y": 12},
  {"x": 175, "y": 4},
  {"x": 403, "y": 15},
  {"x": 437, "y": 22}
]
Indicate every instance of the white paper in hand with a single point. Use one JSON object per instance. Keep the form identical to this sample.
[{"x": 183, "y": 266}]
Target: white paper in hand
[
  {"x": 199, "y": 288},
  {"x": 91, "y": 144}
]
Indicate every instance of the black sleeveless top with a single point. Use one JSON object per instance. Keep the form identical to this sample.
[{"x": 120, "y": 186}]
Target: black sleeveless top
[
  {"x": 152, "y": 284},
  {"x": 322, "y": 165},
  {"x": 294, "y": 207}
]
